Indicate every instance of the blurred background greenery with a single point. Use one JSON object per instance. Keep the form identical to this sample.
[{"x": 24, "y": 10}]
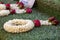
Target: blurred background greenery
[{"x": 49, "y": 7}]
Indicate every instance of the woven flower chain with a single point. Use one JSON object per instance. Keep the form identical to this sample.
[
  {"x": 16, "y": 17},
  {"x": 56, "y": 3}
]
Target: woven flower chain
[
  {"x": 18, "y": 8},
  {"x": 50, "y": 21},
  {"x": 23, "y": 25}
]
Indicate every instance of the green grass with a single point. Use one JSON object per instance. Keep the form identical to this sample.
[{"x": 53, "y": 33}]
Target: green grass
[{"x": 38, "y": 33}]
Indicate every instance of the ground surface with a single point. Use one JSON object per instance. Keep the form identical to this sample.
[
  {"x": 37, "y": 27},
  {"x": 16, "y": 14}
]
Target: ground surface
[{"x": 38, "y": 33}]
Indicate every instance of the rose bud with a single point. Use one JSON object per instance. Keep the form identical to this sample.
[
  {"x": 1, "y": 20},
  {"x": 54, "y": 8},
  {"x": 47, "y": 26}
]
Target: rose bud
[
  {"x": 20, "y": 5},
  {"x": 51, "y": 19},
  {"x": 28, "y": 10},
  {"x": 55, "y": 22},
  {"x": 37, "y": 23},
  {"x": 7, "y": 6},
  {"x": 12, "y": 11}
]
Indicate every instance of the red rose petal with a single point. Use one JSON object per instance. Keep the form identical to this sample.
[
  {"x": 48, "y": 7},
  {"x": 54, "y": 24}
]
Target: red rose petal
[
  {"x": 51, "y": 18},
  {"x": 55, "y": 22},
  {"x": 7, "y": 6},
  {"x": 37, "y": 23},
  {"x": 28, "y": 10},
  {"x": 12, "y": 11},
  {"x": 21, "y": 5}
]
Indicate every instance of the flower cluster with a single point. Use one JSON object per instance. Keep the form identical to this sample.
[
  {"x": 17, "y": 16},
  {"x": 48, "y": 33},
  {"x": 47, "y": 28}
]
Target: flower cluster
[
  {"x": 14, "y": 8},
  {"x": 53, "y": 20},
  {"x": 23, "y": 25},
  {"x": 50, "y": 21},
  {"x": 18, "y": 25}
]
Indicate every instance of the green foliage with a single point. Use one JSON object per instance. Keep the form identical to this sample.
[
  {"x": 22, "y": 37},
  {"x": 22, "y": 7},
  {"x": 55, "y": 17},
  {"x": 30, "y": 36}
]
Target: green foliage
[{"x": 49, "y": 7}]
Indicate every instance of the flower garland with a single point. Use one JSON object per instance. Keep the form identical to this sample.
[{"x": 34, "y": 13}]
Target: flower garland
[
  {"x": 50, "y": 21},
  {"x": 8, "y": 6},
  {"x": 18, "y": 25},
  {"x": 6, "y": 9},
  {"x": 13, "y": 11},
  {"x": 22, "y": 25}
]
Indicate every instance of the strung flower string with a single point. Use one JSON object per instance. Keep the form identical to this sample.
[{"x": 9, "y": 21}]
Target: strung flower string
[
  {"x": 50, "y": 21},
  {"x": 13, "y": 11},
  {"x": 18, "y": 8},
  {"x": 23, "y": 25},
  {"x": 11, "y": 6}
]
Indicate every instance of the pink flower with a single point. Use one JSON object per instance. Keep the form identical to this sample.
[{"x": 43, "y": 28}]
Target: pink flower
[{"x": 37, "y": 23}]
